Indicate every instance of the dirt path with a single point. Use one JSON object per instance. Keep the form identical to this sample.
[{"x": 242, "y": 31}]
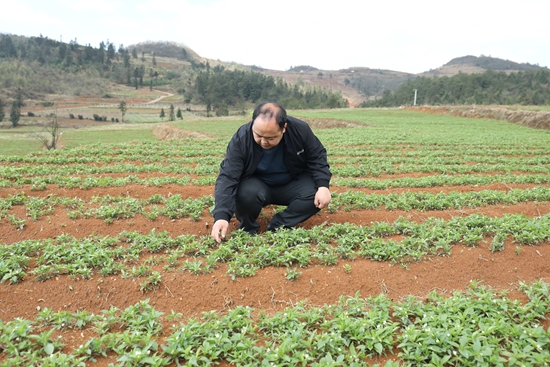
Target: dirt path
[{"x": 160, "y": 97}]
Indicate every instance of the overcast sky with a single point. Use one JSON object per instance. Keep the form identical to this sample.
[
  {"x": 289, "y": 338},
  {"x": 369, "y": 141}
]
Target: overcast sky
[{"x": 402, "y": 35}]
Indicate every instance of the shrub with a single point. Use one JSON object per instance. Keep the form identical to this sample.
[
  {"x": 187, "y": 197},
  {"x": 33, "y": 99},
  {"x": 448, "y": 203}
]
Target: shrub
[{"x": 222, "y": 111}]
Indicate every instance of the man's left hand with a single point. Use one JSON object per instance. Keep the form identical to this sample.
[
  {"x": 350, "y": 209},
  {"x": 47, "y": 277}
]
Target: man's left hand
[{"x": 322, "y": 197}]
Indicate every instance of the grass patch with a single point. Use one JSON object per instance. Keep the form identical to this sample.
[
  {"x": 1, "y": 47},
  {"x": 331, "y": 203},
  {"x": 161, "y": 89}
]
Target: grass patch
[
  {"x": 112, "y": 135},
  {"x": 19, "y": 147}
]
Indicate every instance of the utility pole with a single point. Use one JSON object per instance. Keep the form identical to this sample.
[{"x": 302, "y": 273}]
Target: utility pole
[{"x": 414, "y": 104}]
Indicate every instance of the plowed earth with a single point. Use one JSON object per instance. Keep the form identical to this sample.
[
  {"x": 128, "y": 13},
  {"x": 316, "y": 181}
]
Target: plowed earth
[{"x": 268, "y": 289}]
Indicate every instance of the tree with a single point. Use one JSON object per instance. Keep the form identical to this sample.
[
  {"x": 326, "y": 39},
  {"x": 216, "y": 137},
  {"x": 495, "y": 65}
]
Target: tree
[
  {"x": 126, "y": 58},
  {"x": 89, "y": 53},
  {"x": 162, "y": 114},
  {"x": 19, "y": 98},
  {"x": 182, "y": 92},
  {"x": 110, "y": 51},
  {"x": 2, "y": 113},
  {"x": 51, "y": 134},
  {"x": 178, "y": 114},
  {"x": 7, "y": 48},
  {"x": 101, "y": 52},
  {"x": 171, "y": 116},
  {"x": 136, "y": 77},
  {"x": 15, "y": 113},
  {"x": 123, "y": 109}
]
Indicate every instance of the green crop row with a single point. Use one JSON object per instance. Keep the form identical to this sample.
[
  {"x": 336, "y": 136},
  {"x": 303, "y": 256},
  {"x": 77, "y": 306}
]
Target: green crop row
[
  {"x": 213, "y": 155},
  {"x": 244, "y": 254},
  {"x": 81, "y": 169},
  {"x": 472, "y": 328},
  {"x": 440, "y": 181},
  {"x": 423, "y": 201},
  {"x": 451, "y": 160},
  {"x": 111, "y": 208},
  {"x": 370, "y": 168},
  {"x": 386, "y": 168},
  {"x": 77, "y": 182},
  {"x": 122, "y": 207}
]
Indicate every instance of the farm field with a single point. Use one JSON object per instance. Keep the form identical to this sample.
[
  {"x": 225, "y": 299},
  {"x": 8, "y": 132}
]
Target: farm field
[{"x": 434, "y": 251}]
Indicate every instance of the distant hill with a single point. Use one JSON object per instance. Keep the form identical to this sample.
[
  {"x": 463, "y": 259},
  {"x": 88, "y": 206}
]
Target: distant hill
[
  {"x": 357, "y": 84},
  {"x": 476, "y": 65},
  {"x": 360, "y": 84},
  {"x": 73, "y": 69},
  {"x": 166, "y": 49},
  {"x": 302, "y": 68}
]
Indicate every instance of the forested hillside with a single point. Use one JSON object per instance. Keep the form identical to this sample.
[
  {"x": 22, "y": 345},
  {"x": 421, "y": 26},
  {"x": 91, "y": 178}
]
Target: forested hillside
[
  {"x": 37, "y": 66},
  {"x": 529, "y": 87},
  {"x": 220, "y": 88},
  {"x": 32, "y": 67}
]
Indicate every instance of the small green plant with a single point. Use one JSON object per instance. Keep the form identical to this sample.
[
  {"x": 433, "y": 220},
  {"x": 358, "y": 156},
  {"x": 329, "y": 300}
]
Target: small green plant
[
  {"x": 151, "y": 282},
  {"x": 498, "y": 242},
  {"x": 347, "y": 268},
  {"x": 18, "y": 223},
  {"x": 292, "y": 274},
  {"x": 173, "y": 316}
]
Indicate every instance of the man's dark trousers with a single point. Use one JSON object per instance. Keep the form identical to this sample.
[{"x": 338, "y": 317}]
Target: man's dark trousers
[{"x": 253, "y": 194}]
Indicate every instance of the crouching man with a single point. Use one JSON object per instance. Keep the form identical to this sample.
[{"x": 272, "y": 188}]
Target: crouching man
[{"x": 273, "y": 159}]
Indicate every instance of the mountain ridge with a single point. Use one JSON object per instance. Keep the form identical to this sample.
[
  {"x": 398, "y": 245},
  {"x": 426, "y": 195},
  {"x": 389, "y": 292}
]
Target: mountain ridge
[{"x": 175, "y": 60}]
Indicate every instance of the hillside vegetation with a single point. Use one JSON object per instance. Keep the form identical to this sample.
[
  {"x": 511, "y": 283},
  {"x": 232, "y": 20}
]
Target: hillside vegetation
[
  {"x": 38, "y": 66},
  {"x": 530, "y": 87}
]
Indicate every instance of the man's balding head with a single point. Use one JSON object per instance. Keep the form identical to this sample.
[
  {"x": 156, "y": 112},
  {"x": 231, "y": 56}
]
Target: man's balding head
[{"x": 270, "y": 110}]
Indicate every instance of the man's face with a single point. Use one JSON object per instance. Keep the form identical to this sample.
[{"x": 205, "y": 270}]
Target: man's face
[{"x": 267, "y": 132}]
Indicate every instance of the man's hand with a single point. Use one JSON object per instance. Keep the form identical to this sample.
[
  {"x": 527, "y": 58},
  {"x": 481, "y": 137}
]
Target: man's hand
[
  {"x": 322, "y": 197},
  {"x": 219, "y": 230}
]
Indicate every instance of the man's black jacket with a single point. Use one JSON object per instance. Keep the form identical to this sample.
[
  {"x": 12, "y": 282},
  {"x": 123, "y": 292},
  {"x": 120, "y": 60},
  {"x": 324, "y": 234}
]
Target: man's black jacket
[{"x": 303, "y": 152}]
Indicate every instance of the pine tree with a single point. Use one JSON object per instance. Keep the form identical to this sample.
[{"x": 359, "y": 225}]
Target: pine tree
[
  {"x": 15, "y": 113},
  {"x": 7, "y": 48},
  {"x": 110, "y": 51},
  {"x": 2, "y": 113},
  {"x": 101, "y": 52},
  {"x": 171, "y": 117},
  {"x": 162, "y": 114}
]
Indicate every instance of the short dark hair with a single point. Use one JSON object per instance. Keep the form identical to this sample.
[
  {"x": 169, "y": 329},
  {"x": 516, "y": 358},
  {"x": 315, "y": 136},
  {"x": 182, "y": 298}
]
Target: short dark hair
[{"x": 268, "y": 110}]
